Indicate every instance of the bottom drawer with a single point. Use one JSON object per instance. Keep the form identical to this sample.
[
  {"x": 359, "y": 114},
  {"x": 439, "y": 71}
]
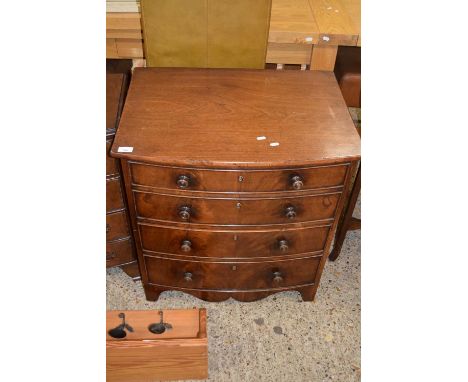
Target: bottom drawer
[
  {"x": 232, "y": 275},
  {"x": 119, "y": 252}
]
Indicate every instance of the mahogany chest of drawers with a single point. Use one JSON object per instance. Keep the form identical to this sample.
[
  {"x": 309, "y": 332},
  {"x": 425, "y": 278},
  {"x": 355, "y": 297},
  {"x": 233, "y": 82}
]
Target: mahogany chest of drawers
[
  {"x": 119, "y": 246},
  {"x": 234, "y": 178}
]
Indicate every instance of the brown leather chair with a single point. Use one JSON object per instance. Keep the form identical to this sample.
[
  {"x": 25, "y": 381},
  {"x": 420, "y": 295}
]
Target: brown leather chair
[
  {"x": 347, "y": 222},
  {"x": 206, "y": 33},
  {"x": 348, "y": 74}
]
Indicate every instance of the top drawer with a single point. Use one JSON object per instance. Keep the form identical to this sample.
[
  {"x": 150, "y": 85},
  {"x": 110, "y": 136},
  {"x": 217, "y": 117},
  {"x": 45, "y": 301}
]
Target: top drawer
[{"x": 236, "y": 181}]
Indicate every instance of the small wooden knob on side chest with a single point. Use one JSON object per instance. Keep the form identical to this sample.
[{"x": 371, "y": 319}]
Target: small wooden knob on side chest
[
  {"x": 110, "y": 256},
  {"x": 188, "y": 276}
]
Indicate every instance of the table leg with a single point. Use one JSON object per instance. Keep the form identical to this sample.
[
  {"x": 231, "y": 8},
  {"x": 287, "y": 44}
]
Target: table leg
[{"x": 323, "y": 57}]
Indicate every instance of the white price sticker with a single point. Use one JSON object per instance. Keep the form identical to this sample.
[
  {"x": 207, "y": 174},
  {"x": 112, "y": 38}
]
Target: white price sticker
[{"x": 122, "y": 149}]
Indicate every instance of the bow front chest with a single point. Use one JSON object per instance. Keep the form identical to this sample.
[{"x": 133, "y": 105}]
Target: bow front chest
[{"x": 235, "y": 178}]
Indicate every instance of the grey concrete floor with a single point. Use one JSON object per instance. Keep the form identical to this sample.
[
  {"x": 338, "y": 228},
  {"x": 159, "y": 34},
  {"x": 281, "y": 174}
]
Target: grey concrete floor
[{"x": 280, "y": 338}]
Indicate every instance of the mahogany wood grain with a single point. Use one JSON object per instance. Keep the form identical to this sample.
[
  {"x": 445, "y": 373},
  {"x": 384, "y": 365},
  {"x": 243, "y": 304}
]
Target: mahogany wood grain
[
  {"x": 112, "y": 164},
  {"x": 354, "y": 224},
  {"x": 215, "y": 180},
  {"x": 119, "y": 252},
  {"x": 114, "y": 199},
  {"x": 232, "y": 276},
  {"x": 178, "y": 354},
  {"x": 238, "y": 211},
  {"x": 216, "y": 115},
  {"x": 216, "y": 243},
  {"x": 116, "y": 226},
  {"x": 116, "y": 86}
]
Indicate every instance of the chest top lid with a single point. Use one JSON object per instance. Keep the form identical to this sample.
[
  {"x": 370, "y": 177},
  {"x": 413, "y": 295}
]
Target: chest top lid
[{"x": 235, "y": 118}]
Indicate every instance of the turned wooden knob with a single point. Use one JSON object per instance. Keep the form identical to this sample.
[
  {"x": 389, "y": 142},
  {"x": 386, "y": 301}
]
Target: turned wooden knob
[
  {"x": 107, "y": 228},
  {"x": 188, "y": 276},
  {"x": 183, "y": 181},
  {"x": 110, "y": 256},
  {"x": 297, "y": 182},
  {"x": 283, "y": 245},
  {"x": 277, "y": 277},
  {"x": 184, "y": 212},
  {"x": 186, "y": 246},
  {"x": 290, "y": 212}
]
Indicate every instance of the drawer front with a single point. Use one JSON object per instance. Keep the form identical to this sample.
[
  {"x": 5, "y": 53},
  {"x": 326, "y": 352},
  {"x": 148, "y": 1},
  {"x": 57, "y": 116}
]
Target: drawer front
[
  {"x": 242, "y": 244},
  {"x": 238, "y": 180},
  {"x": 232, "y": 275},
  {"x": 114, "y": 200},
  {"x": 111, "y": 163},
  {"x": 119, "y": 252},
  {"x": 236, "y": 211},
  {"x": 116, "y": 226}
]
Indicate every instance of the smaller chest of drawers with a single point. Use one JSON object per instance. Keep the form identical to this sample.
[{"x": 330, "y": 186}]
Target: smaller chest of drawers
[
  {"x": 234, "y": 188},
  {"x": 119, "y": 246}
]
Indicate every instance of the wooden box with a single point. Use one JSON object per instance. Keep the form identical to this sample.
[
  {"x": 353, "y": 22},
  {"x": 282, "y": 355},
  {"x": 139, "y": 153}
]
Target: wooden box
[{"x": 178, "y": 353}]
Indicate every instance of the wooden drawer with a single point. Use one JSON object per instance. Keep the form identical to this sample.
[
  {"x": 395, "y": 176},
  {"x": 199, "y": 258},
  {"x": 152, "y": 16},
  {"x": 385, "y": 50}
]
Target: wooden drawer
[
  {"x": 239, "y": 211},
  {"x": 238, "y": 180},
  {"x": 230, "y": 244},
  {"x": 116, "y": 226},
  {"x": 111, "y": 163},
  {"x": 119, "y": 252},
  {"x": 231, "y": 275},
  {"x": 114, "y": 199}
]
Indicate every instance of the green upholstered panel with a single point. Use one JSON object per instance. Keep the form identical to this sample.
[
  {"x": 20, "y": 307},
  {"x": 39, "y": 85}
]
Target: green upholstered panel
[
  {"x": 174, "y": 32},
  {"x": 206, "y": 33},
  {"x": 238, "y": 33}
]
